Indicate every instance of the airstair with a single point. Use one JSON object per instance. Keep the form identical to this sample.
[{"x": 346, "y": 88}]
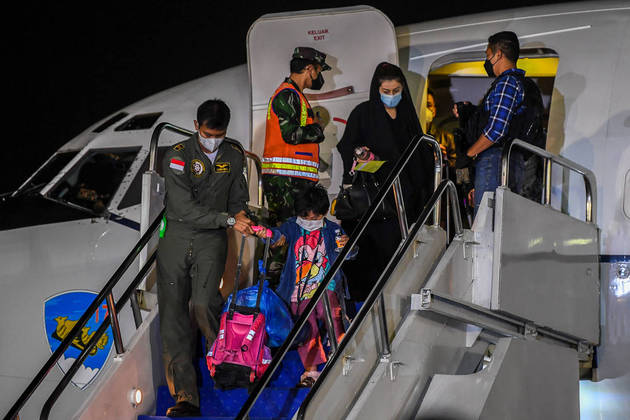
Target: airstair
[{"x": 492, "y": 322}]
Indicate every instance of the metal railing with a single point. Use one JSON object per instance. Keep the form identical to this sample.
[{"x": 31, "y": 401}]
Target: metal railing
[
  {"x": 377, "y": 290},
  {"x": 392, "y": 182},
  {"x": 113, "y": 309},
  {"x": 153, "y": 149},
  {"x": 590, "y": 185}
]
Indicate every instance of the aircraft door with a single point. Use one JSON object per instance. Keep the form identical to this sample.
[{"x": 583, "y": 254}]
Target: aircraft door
[{"x": 355, "y": 40}]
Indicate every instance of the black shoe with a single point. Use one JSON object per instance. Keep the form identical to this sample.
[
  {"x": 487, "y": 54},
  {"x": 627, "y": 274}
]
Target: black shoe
[{"x": 183, "y": 409}]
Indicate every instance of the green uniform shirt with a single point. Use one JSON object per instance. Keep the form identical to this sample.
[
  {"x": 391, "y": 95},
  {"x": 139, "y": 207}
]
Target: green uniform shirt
[
  {"x": 200, "y": 193},
  {"x": 287, "y": 107}
]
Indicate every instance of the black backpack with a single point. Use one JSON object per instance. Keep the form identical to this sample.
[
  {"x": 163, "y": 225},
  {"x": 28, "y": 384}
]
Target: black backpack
[{"x": 526, "y": 125}]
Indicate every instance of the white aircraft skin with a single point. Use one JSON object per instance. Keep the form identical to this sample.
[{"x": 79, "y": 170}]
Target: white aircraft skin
[{"x": 590, "y": 125}]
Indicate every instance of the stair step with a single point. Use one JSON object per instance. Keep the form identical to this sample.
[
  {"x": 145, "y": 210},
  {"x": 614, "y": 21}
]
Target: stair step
[
  {"x": 273, "y": 402},
  {"x": 210, "y": 418},
  {"x": 281, "y": 399}
]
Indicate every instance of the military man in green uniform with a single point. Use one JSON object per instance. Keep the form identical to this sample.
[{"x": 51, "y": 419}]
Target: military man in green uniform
[
  {"x": 292, "y": 135},
  {"x": 206, "y": 193}
]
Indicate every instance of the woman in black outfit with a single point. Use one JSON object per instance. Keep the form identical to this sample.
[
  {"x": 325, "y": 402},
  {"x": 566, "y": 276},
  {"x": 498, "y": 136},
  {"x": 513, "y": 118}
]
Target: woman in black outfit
[{"x": 386, "y": 125}]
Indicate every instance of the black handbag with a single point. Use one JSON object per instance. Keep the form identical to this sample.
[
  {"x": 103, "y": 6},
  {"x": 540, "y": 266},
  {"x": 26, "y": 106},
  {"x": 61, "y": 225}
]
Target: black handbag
[{"x": 353, "y": 201}]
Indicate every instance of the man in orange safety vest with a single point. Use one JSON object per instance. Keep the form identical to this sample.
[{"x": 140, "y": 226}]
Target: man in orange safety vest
[{"x": 293, "y": 133}]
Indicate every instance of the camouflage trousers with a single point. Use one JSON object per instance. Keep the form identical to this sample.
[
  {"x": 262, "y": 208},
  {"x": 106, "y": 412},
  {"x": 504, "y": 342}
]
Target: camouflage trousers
[{"x": 280, "y": 192}]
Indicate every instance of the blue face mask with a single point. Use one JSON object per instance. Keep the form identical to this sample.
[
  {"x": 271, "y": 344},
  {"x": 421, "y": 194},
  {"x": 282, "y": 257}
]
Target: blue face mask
[{"x": 391, "y": 101}]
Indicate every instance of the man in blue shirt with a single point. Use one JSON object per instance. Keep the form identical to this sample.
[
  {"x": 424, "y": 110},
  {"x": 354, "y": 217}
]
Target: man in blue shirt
[{"x": 499, "y": 107}]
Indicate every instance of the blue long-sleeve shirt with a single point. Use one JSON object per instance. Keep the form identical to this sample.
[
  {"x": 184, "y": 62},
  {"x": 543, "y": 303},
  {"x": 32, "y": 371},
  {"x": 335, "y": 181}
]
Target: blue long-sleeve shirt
[{"x": 503, "y": 102}]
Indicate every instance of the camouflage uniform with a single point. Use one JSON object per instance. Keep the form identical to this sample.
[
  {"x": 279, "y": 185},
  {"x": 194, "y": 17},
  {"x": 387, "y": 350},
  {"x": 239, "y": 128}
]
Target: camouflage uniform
[{"x": 281, "y": 191}]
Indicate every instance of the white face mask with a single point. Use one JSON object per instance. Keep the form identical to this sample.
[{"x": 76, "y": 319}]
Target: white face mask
[
  {"x": 310, "y": 225},
  {"x": 211, "y": 144}
]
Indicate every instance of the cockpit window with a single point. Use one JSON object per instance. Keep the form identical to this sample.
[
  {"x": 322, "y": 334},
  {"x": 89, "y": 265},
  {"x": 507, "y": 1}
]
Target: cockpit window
[
  {"x": 92, "y": 182},
  {"x": 133, "y": 195},
  {"x": 139, "y": 122},
  {"x": 113, "y": 120},
  {"x": 46, "y": 173}
]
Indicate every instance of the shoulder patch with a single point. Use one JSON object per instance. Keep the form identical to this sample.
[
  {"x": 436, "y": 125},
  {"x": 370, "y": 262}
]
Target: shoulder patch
[
  {"x": 179, "y": 147},
  {"x": 177, "y": 165}
]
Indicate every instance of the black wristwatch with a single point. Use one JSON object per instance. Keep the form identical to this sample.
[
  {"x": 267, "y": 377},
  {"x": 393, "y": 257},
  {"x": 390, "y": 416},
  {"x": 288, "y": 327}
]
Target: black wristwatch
[{"x": 231, "y": 221}]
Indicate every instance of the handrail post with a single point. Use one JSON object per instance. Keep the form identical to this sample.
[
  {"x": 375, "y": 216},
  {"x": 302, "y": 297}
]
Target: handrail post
[
  {"x": 113, "y": 315},
  {"x": 382, "y": 319},
  {"x": 258, "y": 165},
  {"x": 330, "y": 323},
  {"x": 400, "y": 208},
  {"x": 437, "y": 173},
  {"x": 546, "y": 182},
  {"x": 135, "y": 310}
]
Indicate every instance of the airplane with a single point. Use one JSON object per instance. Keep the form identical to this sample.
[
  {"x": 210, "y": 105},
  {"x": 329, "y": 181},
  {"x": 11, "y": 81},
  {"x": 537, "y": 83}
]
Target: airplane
[{"x": 65, "y": 231}]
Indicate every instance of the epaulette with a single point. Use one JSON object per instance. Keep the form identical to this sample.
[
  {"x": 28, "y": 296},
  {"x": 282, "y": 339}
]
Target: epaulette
[{"x": 235, "y": 145}]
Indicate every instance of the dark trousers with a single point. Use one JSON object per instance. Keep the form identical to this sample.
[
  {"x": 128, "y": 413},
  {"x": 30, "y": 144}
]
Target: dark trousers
[
  {"x": 190, "y": 264},
  {"x": 280, "y": 192},
  {"x": 376, "y": 247}
]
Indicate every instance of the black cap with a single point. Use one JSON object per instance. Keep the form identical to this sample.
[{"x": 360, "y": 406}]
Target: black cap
[{"x": 311, "y": 54}]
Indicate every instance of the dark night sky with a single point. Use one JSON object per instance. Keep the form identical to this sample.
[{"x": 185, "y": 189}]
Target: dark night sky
[{"x": 75, "y": 63}]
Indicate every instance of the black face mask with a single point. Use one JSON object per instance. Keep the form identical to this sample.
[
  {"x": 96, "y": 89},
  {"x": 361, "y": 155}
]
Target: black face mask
[
  {"x": 487, "y": 65},
  {"x": 317, "y": 83}
]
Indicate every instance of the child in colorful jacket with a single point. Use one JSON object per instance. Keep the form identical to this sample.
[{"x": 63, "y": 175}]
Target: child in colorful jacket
[{"x": 314, "y": 244}]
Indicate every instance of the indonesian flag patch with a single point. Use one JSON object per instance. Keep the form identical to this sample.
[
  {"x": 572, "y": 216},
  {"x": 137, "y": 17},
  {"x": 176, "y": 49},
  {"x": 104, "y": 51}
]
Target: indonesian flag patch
[{"x": 177, "y": 165}]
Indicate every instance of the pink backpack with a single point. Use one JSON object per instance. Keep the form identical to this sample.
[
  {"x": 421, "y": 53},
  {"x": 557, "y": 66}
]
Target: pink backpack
[{"x": 239, "y": 355}]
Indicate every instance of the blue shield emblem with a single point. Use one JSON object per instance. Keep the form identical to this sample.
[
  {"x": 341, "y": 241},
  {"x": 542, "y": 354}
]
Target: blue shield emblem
[{"x": 61, "y": 313}]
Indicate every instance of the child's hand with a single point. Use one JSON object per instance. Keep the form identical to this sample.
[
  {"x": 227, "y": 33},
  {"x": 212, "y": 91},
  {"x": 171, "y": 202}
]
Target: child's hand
[
  {"x": 343, "y": 240},
  {"x": 279, "y": 242},
  {"x": 261, "y": 233}
]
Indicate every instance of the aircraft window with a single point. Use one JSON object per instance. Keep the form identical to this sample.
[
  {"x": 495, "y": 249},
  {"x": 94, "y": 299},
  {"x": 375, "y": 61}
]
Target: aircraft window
[
  {"x": 92, "y": 182},
  {"x": 113, "y": 120},
  {"x": 133, "y": 195},
  {"x": 46, "y": 173},
  {"x": 139, "y": 122}
]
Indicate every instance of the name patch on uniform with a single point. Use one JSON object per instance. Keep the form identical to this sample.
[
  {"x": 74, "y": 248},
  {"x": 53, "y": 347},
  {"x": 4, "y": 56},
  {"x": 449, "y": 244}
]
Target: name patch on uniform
[
  {"x": 222, "y": 167},
  {"x": 177, "y": 165},
  {"x": 197, "y": 167}
]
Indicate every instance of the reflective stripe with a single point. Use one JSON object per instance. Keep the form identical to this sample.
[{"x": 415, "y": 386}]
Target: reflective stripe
[
  {"x": 290, "y": 160},
  {"x": 303, "y": 113},
  {"x": 289, "y": 166},
  {"x": 285, "y": 172}
]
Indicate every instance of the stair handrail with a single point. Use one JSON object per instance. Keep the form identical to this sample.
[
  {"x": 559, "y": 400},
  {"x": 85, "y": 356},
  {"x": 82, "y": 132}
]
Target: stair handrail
[
  {"x": 590, "y": 185},
  {"x": 392, "y": 179},
  {"x": 376, "y": 293},
  {"x": 105, "y": 293},
  {"x": 153, "y": 149}
]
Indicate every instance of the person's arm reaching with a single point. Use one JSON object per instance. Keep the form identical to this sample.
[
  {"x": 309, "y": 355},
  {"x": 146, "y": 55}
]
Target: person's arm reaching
[{"x": 183, "y": 206}]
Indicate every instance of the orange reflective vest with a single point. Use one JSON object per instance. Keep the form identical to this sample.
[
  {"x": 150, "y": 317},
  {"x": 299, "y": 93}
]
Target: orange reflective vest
[{"x": 281, "y": 158}]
